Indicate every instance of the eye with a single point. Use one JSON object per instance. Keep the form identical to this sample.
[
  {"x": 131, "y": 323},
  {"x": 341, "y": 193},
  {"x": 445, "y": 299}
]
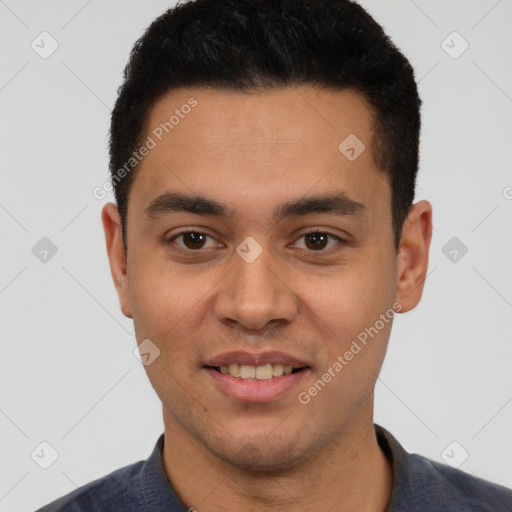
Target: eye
[
  {"x": 319, "y": 240},
  {"x": 192, "y": 240}
]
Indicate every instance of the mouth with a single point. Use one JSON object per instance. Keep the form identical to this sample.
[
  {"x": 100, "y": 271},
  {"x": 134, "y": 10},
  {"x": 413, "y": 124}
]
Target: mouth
[
  {"x": 261, "y": 372},
  {"x": 256, "y": 378}
]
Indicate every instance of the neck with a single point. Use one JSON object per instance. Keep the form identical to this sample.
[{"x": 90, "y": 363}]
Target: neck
[{"x": 350, "y": 473}]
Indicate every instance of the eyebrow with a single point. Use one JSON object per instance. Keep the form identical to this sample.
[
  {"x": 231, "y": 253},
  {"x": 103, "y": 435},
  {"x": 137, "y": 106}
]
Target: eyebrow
[{"x": 329, "y": 203}]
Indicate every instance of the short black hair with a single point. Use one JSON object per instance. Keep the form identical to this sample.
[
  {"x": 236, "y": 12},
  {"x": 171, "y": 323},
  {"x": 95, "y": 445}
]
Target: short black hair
[{"x": 254, "y": 45}]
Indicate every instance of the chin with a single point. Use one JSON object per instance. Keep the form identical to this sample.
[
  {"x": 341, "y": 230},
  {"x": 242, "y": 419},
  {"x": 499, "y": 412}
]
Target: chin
[{"x": 263, "y": 454}]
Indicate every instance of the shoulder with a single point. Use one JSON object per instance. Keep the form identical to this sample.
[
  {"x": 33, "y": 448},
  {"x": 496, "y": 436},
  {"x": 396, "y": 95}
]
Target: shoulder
[
  {"x": 458, "y": 490},
  {"x": 421, "y": 484},
  {"x": 115, "y": 491}
]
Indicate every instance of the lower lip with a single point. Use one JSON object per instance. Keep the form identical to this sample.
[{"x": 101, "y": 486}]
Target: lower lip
[{"x": 254, "y": 390}]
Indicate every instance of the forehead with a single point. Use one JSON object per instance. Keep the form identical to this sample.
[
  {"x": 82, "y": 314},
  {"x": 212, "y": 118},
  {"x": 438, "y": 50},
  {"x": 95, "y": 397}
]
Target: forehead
[
  {"x": 216, "y": 142},
  {"x": 276, "y": 116}
]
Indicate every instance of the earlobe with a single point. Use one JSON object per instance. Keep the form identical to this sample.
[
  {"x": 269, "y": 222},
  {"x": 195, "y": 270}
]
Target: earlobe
[
  {"x": 116, "y": 255},
  {"x": 412, "y": 258}
]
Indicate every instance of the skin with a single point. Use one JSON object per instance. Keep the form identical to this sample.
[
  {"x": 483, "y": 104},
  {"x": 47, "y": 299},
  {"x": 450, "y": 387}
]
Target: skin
[{"x": 254, "y": 152}]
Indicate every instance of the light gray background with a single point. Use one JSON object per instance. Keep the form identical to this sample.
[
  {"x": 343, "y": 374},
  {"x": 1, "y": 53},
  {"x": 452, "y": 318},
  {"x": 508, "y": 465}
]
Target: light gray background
[{"x": 67, "y": 369}]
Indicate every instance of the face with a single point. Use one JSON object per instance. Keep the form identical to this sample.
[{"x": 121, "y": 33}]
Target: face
[{"x": 256, "y": 247}]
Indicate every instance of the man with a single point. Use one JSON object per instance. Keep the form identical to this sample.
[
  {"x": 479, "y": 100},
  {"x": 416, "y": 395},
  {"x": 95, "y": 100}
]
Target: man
[{"x": 264, "y": 156}]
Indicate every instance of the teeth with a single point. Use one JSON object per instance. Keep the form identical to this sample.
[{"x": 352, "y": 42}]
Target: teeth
[
  {"x": 233, "y": 370},
  {"x": 247, "y": 372},
  {"x": 264, "y": 372},
  {"x": 278, "y": 370}
]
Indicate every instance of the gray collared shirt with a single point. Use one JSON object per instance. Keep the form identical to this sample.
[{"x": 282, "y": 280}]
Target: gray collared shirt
[{"x": 419, "y": 485}]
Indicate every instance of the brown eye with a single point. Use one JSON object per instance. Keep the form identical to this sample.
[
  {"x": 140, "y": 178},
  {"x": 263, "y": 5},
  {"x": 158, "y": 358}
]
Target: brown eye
[
  {"x": 193, "y": 240},
  {"x": 316, "y": 241}
]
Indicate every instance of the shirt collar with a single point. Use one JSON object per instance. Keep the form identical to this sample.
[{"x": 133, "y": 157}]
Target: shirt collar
[
  {"x": 414, "y": 486},
  {"x": 158, "y": 494}
]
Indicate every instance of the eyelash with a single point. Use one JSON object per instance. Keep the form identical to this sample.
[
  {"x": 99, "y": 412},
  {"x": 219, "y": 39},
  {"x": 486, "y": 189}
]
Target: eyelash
[{"x": 169, "y": 241}]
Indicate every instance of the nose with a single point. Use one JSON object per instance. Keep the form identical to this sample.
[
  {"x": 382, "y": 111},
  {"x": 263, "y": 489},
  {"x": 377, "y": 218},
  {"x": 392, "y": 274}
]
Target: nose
[{"x": 255, "y": 296}]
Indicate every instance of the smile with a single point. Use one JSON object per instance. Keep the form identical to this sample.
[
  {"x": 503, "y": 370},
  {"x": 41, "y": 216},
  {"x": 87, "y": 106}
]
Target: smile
[{"x": 263, "y": 372}]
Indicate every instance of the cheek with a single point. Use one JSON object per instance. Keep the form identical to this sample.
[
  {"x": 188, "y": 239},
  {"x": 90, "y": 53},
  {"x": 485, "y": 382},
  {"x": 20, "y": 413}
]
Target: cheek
[
  {"x": 172, "y": 306},
  {"x": 349, "y": 306},
  {"x": 163, "y": 298},
  {"x": 352, "y": 297}
]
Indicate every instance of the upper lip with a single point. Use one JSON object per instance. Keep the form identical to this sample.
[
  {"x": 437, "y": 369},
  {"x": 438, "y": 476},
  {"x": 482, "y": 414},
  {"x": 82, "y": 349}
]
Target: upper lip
[{"x": 260, "y": 359}]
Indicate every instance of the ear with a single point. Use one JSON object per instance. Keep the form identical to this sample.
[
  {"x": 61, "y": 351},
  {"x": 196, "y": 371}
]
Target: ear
[
  {"x": 412, "y": 259},
  {"x": 116, "y": 255}
]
